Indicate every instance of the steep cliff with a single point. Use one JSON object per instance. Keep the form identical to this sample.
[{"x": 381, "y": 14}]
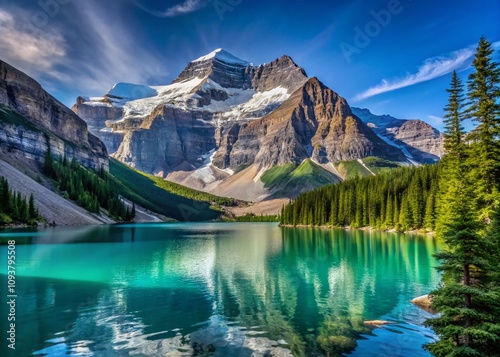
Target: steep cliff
[{"x": 31, "y": 120}]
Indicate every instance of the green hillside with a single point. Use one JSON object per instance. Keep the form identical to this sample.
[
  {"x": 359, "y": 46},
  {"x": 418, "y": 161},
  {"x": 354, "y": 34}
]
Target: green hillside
[
  {"x": 167, "y": 198},
  {"x": 291, "y": 178},
  {"x": 378, "y": 165}
]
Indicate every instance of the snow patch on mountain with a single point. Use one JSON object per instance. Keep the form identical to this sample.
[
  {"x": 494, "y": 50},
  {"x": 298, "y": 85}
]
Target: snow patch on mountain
[
  {"x": 248, "y": 103},
  {"x": 131, "y": 91},
  {"x": 177, "y": 94},
  {"x": 222, "y": 56}
]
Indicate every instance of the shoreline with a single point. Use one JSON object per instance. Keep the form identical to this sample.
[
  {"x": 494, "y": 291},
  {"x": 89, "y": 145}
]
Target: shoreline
[{"x": 368, "y": 228}]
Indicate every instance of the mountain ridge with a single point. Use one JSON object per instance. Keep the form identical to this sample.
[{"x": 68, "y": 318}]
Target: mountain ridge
[{"x": 224, "y": 117}]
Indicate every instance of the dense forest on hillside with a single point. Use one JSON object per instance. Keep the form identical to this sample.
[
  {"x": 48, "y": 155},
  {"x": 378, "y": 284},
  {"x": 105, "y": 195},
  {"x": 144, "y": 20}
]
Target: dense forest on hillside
[
  {"x": 89, "y": 189},
  {"x": 14, "y": 208},
  {"x": 403, "y": 199}
]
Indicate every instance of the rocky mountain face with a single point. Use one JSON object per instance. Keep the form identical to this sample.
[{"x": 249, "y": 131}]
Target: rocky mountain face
[
  {"x": 223, "y": 123},
  {"x": 315, "y": 122},
  {"x": 420, "y": 141},
  {"x": 31, "y": 120}
]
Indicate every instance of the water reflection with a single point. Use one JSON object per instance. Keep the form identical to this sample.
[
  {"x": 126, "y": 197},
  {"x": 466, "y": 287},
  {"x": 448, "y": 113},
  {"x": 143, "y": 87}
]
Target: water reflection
[{"x": 224, "y": 289}]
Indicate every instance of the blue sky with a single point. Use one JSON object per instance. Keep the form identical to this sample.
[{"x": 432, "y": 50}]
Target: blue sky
[{"x": 393, "y": 57}]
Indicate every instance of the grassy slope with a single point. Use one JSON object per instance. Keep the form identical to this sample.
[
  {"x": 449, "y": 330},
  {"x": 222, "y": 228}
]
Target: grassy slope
[
  {"x": 277, "y": 174},
  {"x": 167, "y": 198},
  {"x": 351, "y": 169},
  {"x": 289, "y": 179},
  {"x": 378, "y": 165},
  {"x": 312, "y": 173}
]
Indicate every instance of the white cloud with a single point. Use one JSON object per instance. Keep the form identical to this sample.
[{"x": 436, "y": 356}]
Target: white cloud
[
  {"x": 24, "y": 49},
  {"x": 186, "y": 7},
  {"x": 433, "y": 67}
]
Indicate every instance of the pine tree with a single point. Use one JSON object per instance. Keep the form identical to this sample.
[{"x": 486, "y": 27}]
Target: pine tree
[
  {"x": 430, "y": 218},
  {"x": 48, "y": 165},
  {"x": 453, "y": 161},
  {"x": 484, "y": 97},
  {"x": 454, "y": 131},
  {"x": 33, "y": 213}
]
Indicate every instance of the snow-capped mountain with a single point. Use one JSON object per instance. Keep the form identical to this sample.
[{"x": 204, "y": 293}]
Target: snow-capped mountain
[{"x": 223, "y": 123}]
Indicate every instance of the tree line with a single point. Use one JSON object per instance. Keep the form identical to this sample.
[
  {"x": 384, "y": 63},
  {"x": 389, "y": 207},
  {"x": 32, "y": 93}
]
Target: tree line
[
  {"x": 404, "y": 199},
  {"x": 90, "y": 190},
  {"x": 15, "y": 208}
]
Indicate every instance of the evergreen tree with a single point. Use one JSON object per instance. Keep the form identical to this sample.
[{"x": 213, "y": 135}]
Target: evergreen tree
[
  {"x": 33, "y": 213},
  {"x": 395, "y": 199},
  {"x": 48, "y": 165},
  {"x": 484, "y": 97},
  {"x": 454, "y": 131},
  {"x": 455, "y": 155}
]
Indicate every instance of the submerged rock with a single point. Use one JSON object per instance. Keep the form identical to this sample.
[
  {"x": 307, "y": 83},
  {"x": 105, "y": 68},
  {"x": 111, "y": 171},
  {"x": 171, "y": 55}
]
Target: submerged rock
[
  {"x": 378, "y": 323},
  {"x": 424, "y": 302}
]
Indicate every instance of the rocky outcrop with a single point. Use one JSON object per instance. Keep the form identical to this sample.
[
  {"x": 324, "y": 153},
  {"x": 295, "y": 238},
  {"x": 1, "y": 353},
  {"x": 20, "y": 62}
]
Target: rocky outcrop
[
  {"x": 424, "y": 142},
  {"x": 421, "y": 141},
  {"x": 31, "y": 119},
  {"x": 96, "y": 115}
]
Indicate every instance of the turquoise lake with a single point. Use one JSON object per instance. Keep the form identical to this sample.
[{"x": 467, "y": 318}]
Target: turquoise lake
[{"x": 216, "y": 289}]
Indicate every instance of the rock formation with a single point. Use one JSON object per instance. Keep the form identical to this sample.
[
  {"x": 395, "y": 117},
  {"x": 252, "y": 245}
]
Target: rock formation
[
  {"x": 31, "y": 120},
  {"x": 421, "y": 141}
]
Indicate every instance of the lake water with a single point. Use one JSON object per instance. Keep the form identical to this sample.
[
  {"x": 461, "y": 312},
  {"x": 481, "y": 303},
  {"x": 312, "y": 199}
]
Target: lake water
[{"x": 219, "y": 289}]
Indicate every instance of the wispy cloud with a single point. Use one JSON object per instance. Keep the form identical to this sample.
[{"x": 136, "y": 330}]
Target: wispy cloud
[
  {"x": 186, "y": 7},
  {"x": 86, "y": 58},
  {"x": 433, "y": 67},
  {"x": 47, "y": 50},
  {"x": 108, "y": 54}
]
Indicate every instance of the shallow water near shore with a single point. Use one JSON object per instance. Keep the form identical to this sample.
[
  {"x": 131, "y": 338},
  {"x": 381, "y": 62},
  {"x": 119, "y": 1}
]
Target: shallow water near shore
[{"x": 221, "y": 289}]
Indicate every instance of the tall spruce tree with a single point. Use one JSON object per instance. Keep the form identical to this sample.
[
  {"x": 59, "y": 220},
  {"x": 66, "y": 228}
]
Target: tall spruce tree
[
  {"x": 484, "y": 97},
  {"x": 454, "y": 131},
  {"x": 454, "y": 159}
]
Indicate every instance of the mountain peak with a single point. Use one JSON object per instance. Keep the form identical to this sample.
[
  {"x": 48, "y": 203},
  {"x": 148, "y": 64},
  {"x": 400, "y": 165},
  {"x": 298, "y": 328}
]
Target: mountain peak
[
  {"x": 287, "y": 59},
  {"x": 314, "y": 81},
  {"x": 223, "y": 56}
]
